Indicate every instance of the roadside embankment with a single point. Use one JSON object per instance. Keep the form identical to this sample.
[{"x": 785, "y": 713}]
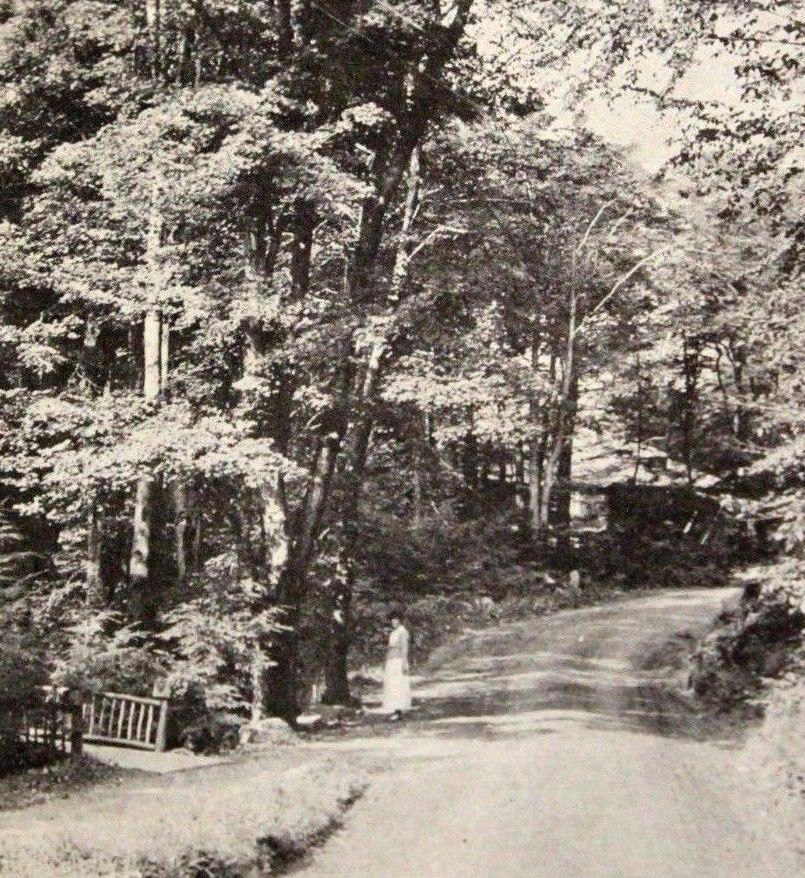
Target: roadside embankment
[
  {"x": 774, "y": 755},
  {"x": 250, "y": 816},
  {"x": 750, "y": 671}
]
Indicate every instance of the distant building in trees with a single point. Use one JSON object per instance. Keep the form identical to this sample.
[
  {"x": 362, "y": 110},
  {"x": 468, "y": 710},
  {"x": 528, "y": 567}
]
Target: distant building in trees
[{"x": 613, "y": 480}]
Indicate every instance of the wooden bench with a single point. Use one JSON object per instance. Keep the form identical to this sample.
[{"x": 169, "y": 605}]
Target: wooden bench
[{"x": 126, "y": 720}]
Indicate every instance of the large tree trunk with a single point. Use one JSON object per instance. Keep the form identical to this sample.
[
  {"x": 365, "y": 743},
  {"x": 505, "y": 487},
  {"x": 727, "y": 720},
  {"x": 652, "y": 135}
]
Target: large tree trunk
[
  {"x": 273, "y": 659},
  {"x": 336, "y": 676},
  {"x": 390, "y": 170},
  {"x": 139, "y": 565},
  {"x": 155, "y": 366},
  {"x": 564, "y": 416},
  {"x": 340, "y": 635},
  {"x": 280, "y": 679},
  {"x": 274, "y": 688},
  {"x": 288, "y": 539}
]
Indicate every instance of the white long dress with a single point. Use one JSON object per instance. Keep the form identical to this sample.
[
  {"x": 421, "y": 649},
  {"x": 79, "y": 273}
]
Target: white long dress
[{"x": 396, "y": 682}]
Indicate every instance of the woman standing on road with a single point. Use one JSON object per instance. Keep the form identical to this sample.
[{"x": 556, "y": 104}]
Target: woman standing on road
[{"x": 396, "y": 682}]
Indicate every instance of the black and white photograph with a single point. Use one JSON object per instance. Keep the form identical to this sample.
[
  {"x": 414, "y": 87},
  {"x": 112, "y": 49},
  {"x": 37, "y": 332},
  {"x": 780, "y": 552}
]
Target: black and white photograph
[{"x": 402, "y": 438}]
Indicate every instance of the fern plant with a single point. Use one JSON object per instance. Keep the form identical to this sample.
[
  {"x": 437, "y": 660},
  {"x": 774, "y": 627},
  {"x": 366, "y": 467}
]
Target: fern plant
[{"x": 219, "y": 640}]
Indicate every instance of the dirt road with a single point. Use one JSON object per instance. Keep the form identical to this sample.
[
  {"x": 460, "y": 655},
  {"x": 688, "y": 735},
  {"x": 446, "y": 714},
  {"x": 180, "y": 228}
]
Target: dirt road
[{"x": 549, "y": 750}]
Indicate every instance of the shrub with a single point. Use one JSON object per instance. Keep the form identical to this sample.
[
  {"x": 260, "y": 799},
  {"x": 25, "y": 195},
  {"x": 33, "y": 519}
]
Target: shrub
[
  {"x": 22, "y": 673},
  {"x": 216, "y": 640},
  {"x": 103, "y": 653},
  {"x": 756, "y": 639},
  {"x": 204, "y": 655}
]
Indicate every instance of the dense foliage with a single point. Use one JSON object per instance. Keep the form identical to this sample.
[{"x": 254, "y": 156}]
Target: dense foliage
[{"x": 304, "y": 307}]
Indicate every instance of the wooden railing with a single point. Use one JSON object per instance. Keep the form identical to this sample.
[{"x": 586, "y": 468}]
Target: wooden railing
[
  {"x": 128, "y": 720},
  {"x": 55, "y": 721}
]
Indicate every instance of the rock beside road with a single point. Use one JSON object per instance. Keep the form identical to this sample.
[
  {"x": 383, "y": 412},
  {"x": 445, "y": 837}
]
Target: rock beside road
[
  {"x": 309, "y": 722},
  {"x": 271, "y": 730}
]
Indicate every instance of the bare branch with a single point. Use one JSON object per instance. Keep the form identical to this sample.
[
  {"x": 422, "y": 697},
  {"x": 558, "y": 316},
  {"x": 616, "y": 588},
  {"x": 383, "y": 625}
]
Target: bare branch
[
  {"x": 439, "y": 230},
  {"x": 592, "y": 225},
  {"x": 619, "y": 283}
]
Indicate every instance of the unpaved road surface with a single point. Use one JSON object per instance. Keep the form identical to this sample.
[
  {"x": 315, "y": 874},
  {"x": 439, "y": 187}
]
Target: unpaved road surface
[{"x": 551, "y": 749}]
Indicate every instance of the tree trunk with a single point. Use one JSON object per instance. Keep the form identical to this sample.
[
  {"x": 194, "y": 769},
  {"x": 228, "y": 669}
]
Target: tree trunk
[
  {"x": 740, "y": 420},
  {"x": 280, "y": 682},
  {"x": 399, "y": 273},
  {"x": 418, "y": 445},
  {"x": 282, "y": 21},
  {"x": 139, "y": 568},
  {"x": 469, "y": 463},
  {"x": 153, "y": 16},
  {"x": 640, "y": 414},
  {"x": 152, "y": 348},
  {"x": 358, "y": 282},
  {"x": 181, "y": 521},
  {"x": 340, "y": 636},
  {"x": 537, "y": 447},
  {"x": 95, "y": 591},
  {"x": 164, "y": 354},
  {"x": 155, "y": 362},
  {"x": 486, "y": 464},
  {"x": 536, "y": 467},
  {"x": 563, "y": 497},
  {"x": 690, "y": 375},
  {"x": 275, "y": 529},
  {"x": 564, "y": 471},
  {"x": 565, "y": 410},
  {"x": 563, "y": 477},
  {"x": 272, "y": 689},
  {"x": 143, "y": 604},
  {"x": 195, "y": 538},
  {"x": 549, "y": 482},
  {"x": 336, "y": 677},
  {"x": 258, "y": 683},
  {"x": 287, "y": 540}
]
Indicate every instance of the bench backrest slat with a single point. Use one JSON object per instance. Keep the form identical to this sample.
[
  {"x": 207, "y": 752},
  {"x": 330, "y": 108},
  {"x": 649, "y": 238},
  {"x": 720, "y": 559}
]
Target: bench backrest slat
[{"x": 133, "y": 720}]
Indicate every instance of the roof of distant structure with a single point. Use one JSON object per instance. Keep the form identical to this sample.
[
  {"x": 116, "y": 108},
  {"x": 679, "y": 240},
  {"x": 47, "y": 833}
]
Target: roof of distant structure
[{"x": 602, "y": 461}]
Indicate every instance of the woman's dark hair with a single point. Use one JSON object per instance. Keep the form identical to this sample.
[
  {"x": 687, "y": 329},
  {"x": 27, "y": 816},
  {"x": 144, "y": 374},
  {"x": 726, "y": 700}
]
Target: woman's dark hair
[{"x": 397, "y": 613}]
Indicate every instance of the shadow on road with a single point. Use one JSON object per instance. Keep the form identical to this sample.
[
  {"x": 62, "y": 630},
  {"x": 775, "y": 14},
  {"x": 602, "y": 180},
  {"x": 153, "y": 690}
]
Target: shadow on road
[
  {"x": 618, "y": 667},
  {"x": 650, "y": 707}
]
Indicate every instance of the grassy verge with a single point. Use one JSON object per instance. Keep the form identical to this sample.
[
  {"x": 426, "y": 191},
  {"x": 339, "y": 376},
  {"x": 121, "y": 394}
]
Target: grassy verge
[
  {"x": 57, "y": 780},
  {"x": 248, "y": 822}
]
